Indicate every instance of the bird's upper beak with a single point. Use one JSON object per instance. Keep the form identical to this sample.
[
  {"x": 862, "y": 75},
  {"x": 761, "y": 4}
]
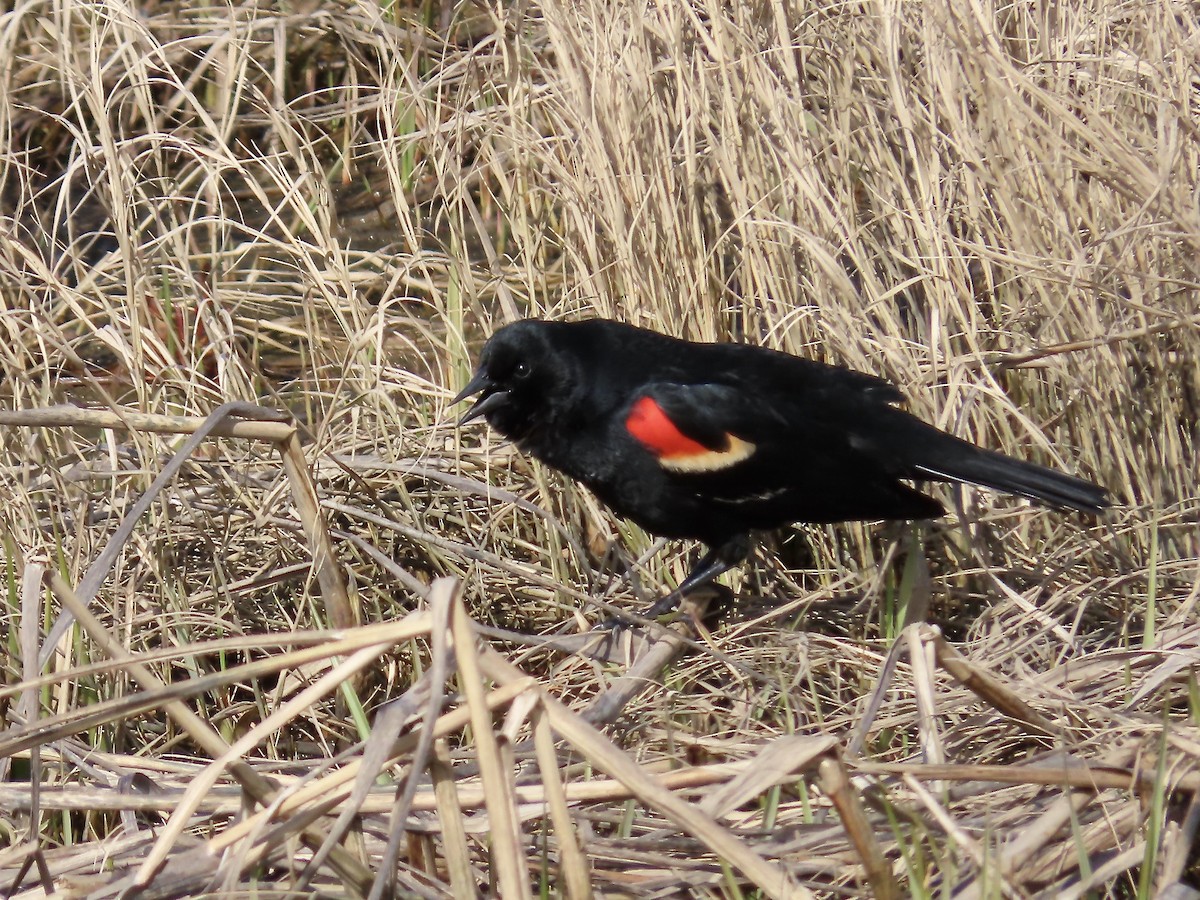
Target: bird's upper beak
[{"x": 493, "y": 397}]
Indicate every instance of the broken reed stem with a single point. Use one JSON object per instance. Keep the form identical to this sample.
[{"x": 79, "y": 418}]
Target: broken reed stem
[
  {"x": 771, "y": 878},
  {"x": 340, "y": 612},
  {"x": 265, "y": 425},
  {"x": 358, "y": 878},
  {"x": 574, "y": 871},
  {"x": 235, "y": 419},
  {"x": 455, "y": 850},
  {"x": 985, "y": 686},
  {"x": 966, "y": 672},
  {"x": 646, "y": 671},
  {"x": 219, "y": 803},
  {"x": 334, "y": 787},
  {"x": 1091, "y": 777},
  {"x": 836, "y": 783},
  {"x": 506, "y": 852}
]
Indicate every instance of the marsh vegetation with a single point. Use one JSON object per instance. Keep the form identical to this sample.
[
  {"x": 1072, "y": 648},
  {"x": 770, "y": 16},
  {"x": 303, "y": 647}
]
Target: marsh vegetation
[{"x": 323, "y": 208}]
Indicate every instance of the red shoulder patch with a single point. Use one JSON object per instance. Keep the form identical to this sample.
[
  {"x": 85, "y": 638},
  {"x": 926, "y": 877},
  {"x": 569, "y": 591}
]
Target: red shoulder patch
[
  {"x": 675, "y": 450},
  {"x": 649, "y": 424}
]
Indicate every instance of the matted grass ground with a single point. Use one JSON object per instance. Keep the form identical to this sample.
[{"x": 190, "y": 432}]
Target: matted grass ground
[{"x": 323, "y": 208}]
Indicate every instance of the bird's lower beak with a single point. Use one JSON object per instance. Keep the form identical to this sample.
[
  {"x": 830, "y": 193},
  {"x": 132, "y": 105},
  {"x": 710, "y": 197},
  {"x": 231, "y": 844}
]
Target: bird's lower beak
[
  {"x": 484, "y": 405},
  {"x": 492, "y": 397}
]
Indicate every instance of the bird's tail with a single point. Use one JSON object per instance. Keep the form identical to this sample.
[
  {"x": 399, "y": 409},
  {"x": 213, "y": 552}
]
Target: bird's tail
[{"x": 963, "y": 462}]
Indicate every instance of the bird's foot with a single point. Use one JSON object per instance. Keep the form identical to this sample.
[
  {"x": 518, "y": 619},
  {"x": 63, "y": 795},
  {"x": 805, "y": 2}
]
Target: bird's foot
[
  {"x": 713, "y": 599},
  {"x": 662, "y": 611},
  {"x": 715, "y": 562}
]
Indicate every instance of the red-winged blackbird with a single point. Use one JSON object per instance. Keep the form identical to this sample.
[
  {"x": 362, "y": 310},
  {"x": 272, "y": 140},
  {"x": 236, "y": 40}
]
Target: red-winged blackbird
[{"x": 714, "y": 441}]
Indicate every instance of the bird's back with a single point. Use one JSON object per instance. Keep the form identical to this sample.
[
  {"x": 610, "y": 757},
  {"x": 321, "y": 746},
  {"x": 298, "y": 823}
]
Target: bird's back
[{"x": 831, "y": 442}]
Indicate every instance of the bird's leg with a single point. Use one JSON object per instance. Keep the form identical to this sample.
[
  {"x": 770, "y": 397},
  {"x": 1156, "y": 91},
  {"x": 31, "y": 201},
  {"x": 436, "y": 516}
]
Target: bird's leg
[{"x": 718, "y": 560}]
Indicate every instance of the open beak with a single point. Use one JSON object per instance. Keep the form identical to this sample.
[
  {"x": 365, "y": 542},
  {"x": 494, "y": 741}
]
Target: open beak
[{"x": 492, "y": 398}]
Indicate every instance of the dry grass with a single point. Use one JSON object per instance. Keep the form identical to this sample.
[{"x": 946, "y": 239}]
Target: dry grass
[{"x": 322, "y": 208}]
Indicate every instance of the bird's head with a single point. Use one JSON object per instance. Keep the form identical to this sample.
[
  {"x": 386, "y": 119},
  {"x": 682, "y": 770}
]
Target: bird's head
[{"x": 524, "y": 379}]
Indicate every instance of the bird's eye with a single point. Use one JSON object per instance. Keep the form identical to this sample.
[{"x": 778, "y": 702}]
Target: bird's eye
[{"x": 521, "y": 370}]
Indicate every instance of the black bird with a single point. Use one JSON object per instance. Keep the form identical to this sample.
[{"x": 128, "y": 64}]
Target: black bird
[{"x": 715, "y": 441}]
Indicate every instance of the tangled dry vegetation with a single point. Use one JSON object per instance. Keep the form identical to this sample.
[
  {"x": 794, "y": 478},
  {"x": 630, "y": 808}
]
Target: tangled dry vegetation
[{"x": 321, "y": 208}]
